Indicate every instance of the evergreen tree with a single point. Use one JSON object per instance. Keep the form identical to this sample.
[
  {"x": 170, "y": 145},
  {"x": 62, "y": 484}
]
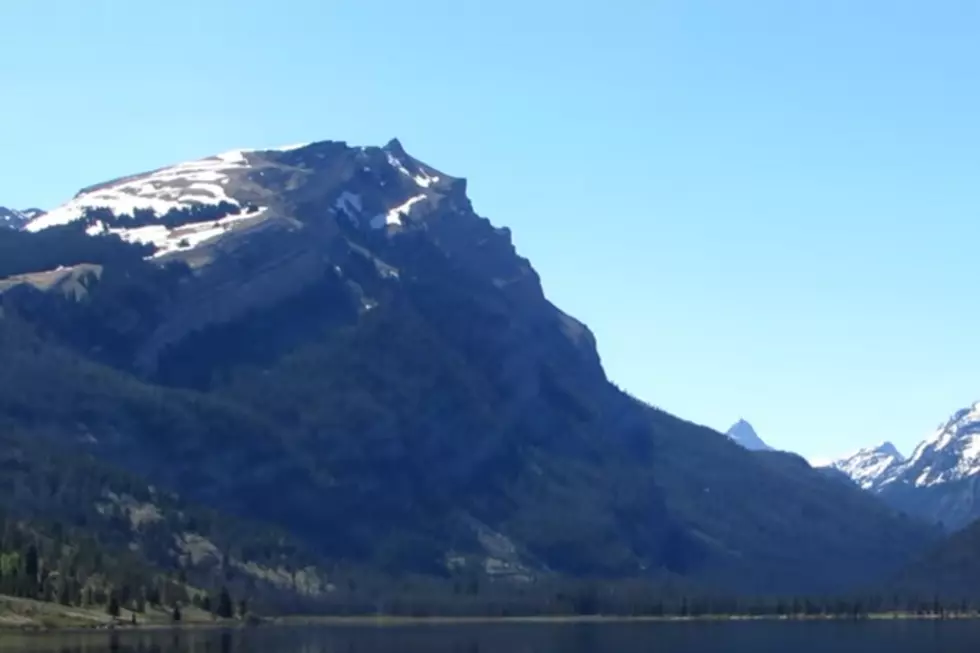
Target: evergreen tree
[
  {"x": 225, "y": 608},
  {"x": 113, "y": 607},
  {"x": 31, "y": 568},
  {"x": 64, "y": 593}
]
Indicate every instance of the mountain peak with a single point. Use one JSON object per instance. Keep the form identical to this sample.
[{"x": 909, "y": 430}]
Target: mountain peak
[
  {"x": 182, "y": 208},
  {"x": 395, "y": 147},
  {"x": 742, "y": 433},
  {"x": 871, "y": 467},
  {"x": 889, "y": 449},
  {"x": 951, "y": 453}
]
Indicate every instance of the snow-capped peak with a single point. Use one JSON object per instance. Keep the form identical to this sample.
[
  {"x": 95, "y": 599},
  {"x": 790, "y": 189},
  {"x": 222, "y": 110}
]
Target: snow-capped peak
[
  {"x": 743, "y": 434},
  {"x": 952, "y": 452},
  {"x": 182, "y": 207},
  {"x": 872, "y": 466}
]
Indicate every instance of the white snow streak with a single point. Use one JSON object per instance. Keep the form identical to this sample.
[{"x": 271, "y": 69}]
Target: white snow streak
[
  {"x": 395, "y": 215},
  {"x": 181, "y": 186}
]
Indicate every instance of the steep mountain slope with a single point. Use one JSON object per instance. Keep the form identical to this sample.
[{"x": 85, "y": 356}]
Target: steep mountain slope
[
  {"x": 330, "y": 339},
  {"x": 940, "y": 481},
  {"x": 743, "y": 434}
]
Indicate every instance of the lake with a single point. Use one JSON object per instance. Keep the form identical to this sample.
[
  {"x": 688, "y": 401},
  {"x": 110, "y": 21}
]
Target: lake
[{"x": 699, "y": 637}]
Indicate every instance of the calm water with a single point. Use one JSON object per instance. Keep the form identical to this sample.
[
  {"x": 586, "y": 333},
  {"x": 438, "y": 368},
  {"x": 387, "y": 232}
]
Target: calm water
[{"x": 755, "y": 637}]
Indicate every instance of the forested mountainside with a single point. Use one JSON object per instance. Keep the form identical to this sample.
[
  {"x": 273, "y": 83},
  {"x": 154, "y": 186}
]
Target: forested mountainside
[
  {"x": 329, "y": 341},
  {"x": 78, "y": 532},
  {"x": 951, "y": 569}
]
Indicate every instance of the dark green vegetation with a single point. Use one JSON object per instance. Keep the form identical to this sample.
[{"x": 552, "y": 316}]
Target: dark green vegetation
[
  {"x": 22, "y": 252},
  {"x": 75, "y": 531},
  {"x": 409, "y": 408},
  {"x": 172, "y": 218},
  {"x": 951, "y": 569}
]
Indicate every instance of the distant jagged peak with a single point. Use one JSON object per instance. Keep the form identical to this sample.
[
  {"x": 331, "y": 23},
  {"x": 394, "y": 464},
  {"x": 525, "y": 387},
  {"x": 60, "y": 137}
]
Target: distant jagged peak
[
  {"x": 884, "y": 448},
  {"x": 742, "y": 433},
  {"x": 950, "y": 453},
  {"x": 873, "y": 466}
]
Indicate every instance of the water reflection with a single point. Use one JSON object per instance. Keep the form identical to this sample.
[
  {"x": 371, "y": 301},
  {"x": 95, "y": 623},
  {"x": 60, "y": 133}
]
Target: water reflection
[{"x": 745, "y": 637}]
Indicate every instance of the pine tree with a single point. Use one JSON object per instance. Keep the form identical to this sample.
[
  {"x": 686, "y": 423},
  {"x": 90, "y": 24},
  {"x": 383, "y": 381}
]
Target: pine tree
[
  {"x": 64, "y": 593},
  {"x": 113, "y": 608},
  {"x": 31, "y": 568},
  {"x": 225, "y": 608}
]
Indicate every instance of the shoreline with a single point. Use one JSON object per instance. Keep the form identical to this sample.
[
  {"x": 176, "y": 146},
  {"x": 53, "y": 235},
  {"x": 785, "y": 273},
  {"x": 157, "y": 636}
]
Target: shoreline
[{"x": 389, "y": 621}]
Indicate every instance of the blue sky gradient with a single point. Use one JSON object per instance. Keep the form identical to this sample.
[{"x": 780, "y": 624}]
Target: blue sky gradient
[{"x": 763, "y": 209}]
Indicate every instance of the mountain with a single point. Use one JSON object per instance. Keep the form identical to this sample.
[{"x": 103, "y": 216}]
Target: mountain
[
  {"x": 743, "y": 434},
  {"x": 329, "y": 341},
  {"x": 940, "y": 481},
  {"x": 871, "y": 467},
  {"x": 13, "y": 219}
]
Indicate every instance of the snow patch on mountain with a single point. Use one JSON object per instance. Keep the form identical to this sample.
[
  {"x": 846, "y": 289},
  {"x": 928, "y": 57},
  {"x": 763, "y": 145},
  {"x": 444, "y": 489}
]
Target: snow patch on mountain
[
  {"x": 169, "y": 240},
  {"x": 394, "y": 216},
  {"x": 13, "y": 219},
  {"x": 743, "y": 434},
  {"x": 195, "y": 202},
  {"x": 951, "y": 453},
  {"x": 176, "y": 187}
]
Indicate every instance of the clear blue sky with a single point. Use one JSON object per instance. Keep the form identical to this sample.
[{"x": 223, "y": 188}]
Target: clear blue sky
[{"x": 765, "y": 209}]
